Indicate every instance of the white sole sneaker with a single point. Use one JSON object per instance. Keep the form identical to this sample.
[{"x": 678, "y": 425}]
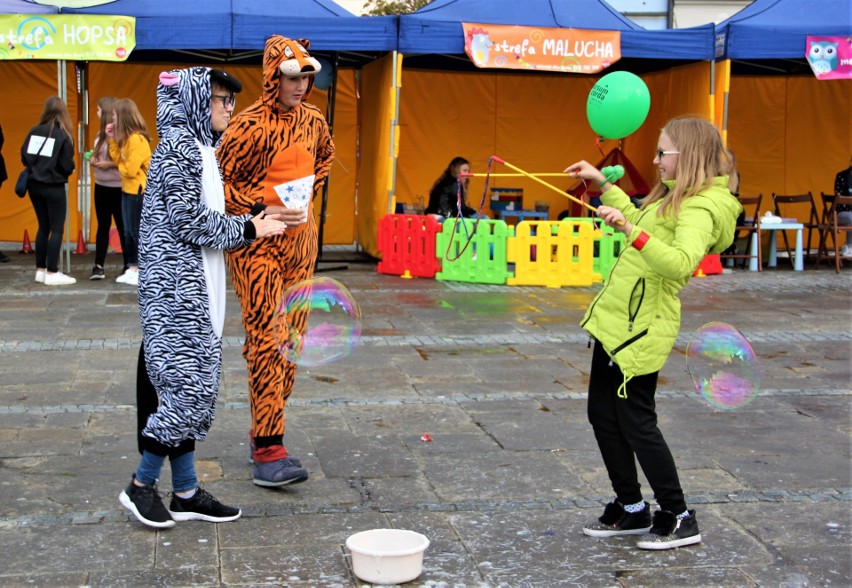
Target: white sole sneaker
[
  {"x": 130, "y": 277},
  {"x": 39, "y": 276},
  {"x": 58, "y": 279},
  {"x": 125, "y": 501}
]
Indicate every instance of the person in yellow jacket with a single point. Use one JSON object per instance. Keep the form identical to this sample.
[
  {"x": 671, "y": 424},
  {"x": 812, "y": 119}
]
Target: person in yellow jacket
[
  {"x": 130, "y": 149},
  {"x": 635, "y": 319}
]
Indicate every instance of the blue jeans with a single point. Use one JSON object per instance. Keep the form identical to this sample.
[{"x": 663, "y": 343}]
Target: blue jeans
[
  {"x": 131, "y": 212},
  {"x": 50, "y": 208},
  {"x": 183, "y": 470}
]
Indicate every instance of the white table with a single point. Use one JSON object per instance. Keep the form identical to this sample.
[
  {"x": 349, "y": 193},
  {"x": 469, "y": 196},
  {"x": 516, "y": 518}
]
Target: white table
[{"x": 798, "y": 264}]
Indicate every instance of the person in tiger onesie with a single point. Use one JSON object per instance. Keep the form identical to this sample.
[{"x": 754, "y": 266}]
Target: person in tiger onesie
[{"x": 277, "y": 143}]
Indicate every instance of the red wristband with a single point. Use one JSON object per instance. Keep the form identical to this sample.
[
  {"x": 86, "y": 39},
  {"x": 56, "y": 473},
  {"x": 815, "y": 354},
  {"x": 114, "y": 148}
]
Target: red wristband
[{"x": 639, "y": 242}]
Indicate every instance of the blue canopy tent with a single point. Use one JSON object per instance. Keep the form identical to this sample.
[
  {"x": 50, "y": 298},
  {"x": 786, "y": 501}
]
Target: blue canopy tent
[
  {"x": 236, "y": 30},
  {"x": 329, "y": 27},
  {"x": 200, "y": 27},
  {"x": 777, "y": 30},
  {"x": 536, "y": 118},
  {"x": 790, "y": 130},
  {"x": 436, "y": 29},
  {"x": 25, "y": 7},
  {"x": 183, "y": 32}
]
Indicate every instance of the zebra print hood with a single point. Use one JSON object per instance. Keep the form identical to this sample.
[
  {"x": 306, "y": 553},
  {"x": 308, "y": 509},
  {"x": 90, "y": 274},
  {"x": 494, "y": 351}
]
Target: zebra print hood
[{"x": 183, "y": 104}]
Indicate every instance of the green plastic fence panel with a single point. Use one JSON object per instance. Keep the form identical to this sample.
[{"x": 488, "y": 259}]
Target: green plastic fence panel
[{"x": 471, "y": 252}]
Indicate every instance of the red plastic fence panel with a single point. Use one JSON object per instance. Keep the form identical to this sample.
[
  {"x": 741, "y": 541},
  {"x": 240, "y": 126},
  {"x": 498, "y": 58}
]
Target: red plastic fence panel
[{"x": 407, "y": 244}]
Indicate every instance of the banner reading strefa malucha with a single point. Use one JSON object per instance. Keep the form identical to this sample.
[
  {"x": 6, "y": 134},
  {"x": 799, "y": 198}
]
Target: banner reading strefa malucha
[
  {"x": 67, "y": 36},
  {"x": 541, "y": 48}
]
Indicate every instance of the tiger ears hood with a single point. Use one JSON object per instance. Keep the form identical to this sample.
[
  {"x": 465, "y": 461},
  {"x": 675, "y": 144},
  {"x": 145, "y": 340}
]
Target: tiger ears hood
[{"x": 289, "y": 58}]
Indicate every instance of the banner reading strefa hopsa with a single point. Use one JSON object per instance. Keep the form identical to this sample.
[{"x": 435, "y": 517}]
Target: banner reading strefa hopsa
[
  {"x": 830, "y": 58},
  {"x": 72, "y": 37},
  {"x": 541, "y": 48}
]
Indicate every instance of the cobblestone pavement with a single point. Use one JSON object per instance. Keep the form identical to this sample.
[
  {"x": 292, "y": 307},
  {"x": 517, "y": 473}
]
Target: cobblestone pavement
[{"x": 496, "y": 376}]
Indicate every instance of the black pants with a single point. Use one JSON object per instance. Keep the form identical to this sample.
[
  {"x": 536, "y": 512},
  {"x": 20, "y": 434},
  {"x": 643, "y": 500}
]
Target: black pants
[
  {"x": 626, "y": 430},
  {"x": 50, "y": 208},
  {"x": 107, "y": 208},
  {"x": 147, "y": 402}
]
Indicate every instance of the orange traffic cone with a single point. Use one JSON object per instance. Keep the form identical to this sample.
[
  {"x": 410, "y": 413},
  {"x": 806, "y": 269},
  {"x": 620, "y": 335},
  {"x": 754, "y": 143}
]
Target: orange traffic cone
[
  {"x": 115, "y": 240},
  {"x": 26, "y": 247},
  {"x": 81, "y": 244}
]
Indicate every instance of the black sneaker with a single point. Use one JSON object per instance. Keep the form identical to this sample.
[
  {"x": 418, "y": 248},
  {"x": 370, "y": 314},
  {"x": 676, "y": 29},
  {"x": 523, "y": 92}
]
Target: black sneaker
[
  {"x": 3, "y": 258},
  {"x": 146, "y": 505},
  {"x": 668, "y": 531},
  {"x": 617, "y": 521},
  {"x": 97, "y": 273},
  {"x": 202, "y": 506}
]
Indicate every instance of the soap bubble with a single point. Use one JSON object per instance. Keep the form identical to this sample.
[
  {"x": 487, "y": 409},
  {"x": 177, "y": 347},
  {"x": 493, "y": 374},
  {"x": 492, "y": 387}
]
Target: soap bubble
[
  {"x": 723, "y": 366},
  {"x": 316, "y": 322}
]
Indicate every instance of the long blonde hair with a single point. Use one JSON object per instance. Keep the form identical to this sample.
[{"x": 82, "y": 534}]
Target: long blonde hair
[
  {"x": 702, "y": 157},
  {"x": 128, "y": 120},
  {"x": 55, "y": 113}
]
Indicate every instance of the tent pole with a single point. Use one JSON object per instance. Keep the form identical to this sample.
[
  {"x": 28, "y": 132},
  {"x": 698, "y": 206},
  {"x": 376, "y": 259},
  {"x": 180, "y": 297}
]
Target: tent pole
[
  {"x": 62, "y": 86},
  {"x": 332, "y": 99}
]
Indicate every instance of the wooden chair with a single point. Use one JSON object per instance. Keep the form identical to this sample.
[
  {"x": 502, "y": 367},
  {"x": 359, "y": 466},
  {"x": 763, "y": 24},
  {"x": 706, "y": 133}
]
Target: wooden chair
[
  {"x": 786, "y": 202},
  {"x": 825, "y": 228},
  {"x": 748, "y": 229},
  {"x": 836, "y": 229}
]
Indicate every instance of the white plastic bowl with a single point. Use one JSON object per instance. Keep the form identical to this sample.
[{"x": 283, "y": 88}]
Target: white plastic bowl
[{"x": 387, "y": 556}]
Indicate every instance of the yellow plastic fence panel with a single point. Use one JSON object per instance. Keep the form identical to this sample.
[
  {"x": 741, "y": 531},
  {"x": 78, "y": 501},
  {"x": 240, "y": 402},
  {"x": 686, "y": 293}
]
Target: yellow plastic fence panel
[{"x": 552, "y": 254}]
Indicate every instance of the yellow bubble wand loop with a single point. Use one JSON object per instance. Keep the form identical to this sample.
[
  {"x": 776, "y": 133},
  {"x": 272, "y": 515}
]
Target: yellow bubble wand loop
[
  {"x": 609, "y": 178},
  {"x": 543, "y": 183}
]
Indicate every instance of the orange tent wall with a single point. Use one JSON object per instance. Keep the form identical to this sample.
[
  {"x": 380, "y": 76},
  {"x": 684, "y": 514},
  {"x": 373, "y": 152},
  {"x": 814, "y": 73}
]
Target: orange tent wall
[
  {"x": 377, "y": 147},
  {"x": 535, "y": 121},
  {"x": 791, "y": 134},
  {"x": 34, "y": 81},
  {"x": 27, "y": 84}
]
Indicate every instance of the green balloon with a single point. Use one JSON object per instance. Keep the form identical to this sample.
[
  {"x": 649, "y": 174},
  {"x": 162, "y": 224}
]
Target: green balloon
[{"x": 618, "y": 105}]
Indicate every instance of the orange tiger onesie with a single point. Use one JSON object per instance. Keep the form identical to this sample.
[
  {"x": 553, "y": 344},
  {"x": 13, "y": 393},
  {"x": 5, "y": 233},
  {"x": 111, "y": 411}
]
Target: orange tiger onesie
[{"x": 276, "y": 140}]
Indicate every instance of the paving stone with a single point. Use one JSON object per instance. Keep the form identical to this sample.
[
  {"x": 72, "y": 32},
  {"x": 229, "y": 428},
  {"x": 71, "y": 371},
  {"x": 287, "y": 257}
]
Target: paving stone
[{"x": 497, "y": 377}]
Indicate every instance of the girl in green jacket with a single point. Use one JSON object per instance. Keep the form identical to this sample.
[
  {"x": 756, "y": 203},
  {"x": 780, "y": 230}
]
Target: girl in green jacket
[{"x": 635, "y": 320}]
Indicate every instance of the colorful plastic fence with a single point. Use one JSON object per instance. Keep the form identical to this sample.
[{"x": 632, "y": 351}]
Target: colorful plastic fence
[{"x": 570, "y": 252}]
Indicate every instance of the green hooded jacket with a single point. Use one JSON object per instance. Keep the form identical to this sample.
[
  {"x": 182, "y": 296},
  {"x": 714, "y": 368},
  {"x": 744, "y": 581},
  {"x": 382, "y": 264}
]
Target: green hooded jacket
[{"x": 636, "y": 316}]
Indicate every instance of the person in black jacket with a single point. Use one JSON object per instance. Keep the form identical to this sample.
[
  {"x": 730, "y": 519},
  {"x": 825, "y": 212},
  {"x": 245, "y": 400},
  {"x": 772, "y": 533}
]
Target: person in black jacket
[
  {"x": 443, "y": 198},
  {"x": 48, "y": 151},
  {"x": 3, "y": 177},
  {"x": 843, "y": 187}
]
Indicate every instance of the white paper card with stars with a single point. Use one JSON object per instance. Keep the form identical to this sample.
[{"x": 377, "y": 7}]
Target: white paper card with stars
[{"x": 297, "y": 193}]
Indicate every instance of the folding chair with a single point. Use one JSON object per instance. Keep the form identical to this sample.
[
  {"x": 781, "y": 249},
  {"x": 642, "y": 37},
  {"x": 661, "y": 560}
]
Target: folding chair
[
  {"x": 836, "y": 229},
  {"x": 747, "y": 229},
  {"x": 786, "y": 202},
  {"x": 825, "y": 227}
]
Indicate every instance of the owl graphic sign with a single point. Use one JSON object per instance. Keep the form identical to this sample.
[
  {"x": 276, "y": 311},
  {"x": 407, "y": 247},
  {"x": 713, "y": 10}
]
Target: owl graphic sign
[
  {"x": 830, "y": 58},
  {"x": 541, "y": 48}
]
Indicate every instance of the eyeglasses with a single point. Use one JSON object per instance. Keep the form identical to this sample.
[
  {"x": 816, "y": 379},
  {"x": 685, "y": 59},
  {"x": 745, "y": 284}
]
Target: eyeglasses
[
  {"x": 228, "y": 100},
  {"x": 661, "y": 152}
]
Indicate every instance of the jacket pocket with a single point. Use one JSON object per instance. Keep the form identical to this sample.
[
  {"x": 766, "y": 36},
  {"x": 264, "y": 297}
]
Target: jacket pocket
[
  {"x": 634, "y": 304},
  {"x": 629, "y": 342}
]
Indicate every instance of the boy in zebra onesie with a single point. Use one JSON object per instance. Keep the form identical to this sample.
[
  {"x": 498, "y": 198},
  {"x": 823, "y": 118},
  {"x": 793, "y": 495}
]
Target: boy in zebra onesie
[{"x": 182, "y": 293}]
